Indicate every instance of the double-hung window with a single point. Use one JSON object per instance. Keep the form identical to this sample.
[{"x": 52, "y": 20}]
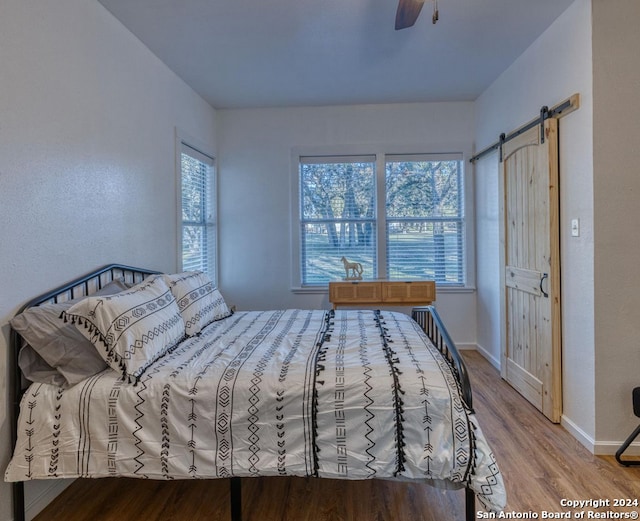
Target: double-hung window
[
  {"x": 399, "y": 216},
  {"x": 198, "y": 211},
  {"x": 424, "y": 218},
  {"x": 337, "y": 215}
]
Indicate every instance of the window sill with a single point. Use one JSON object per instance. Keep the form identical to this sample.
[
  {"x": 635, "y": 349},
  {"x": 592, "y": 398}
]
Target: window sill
[{"x": 310, "y": 290}]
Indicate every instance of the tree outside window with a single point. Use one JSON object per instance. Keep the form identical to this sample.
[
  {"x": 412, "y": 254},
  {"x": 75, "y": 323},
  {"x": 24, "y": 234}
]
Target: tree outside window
[{"x": 419, "y": 212}]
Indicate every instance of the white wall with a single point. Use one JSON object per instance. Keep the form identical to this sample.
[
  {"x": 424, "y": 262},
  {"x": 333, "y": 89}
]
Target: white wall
[
  {"x": 616, "y": 181},
  {"x": 87, "y": 156},
  {"x": 556, "y": 66},
  {"x": 254, "y": 176},
  {"x": 488, "y": 256}
]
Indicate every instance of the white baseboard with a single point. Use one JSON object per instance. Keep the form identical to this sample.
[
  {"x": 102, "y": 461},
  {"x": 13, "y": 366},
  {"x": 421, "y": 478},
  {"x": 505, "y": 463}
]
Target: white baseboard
[
  {"x": 35, "y": 505},
  {"x": 579, "y": 434},
  {"x": 609, "y": 448},
  {"x": 492, "y": 359},
  {"x": 598, "y": 448}
]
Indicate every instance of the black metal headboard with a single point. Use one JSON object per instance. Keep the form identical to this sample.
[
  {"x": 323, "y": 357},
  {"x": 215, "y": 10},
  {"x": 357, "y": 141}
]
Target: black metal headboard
[{"x": 80, "y": 287}]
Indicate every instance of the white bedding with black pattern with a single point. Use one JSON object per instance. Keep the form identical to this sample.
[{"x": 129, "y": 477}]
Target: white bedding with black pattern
[{"x": 344, "y": 394}]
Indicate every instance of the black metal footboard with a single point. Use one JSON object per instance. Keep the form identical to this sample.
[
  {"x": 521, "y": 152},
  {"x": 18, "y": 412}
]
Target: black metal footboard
[
  {"x": 429, "y": 320},
  {"x": 432, "y": 325}
]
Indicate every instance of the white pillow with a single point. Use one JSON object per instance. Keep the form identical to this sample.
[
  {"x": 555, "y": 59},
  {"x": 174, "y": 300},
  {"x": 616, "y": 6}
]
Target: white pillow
[
  {"x": 199, "y": 301},
  {"x": 133, "y": 328}
]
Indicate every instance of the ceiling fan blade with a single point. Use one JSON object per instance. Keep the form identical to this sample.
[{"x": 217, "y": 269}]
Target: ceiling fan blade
[{"x": 407, "y": 13}]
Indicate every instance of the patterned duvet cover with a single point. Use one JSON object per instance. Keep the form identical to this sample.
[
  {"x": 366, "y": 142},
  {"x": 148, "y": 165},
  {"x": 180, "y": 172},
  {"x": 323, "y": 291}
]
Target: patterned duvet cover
[{"x": 353, "y": 394}]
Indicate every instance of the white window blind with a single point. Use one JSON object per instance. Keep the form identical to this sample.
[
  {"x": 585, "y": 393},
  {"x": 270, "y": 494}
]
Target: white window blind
[
  {"x": 198, "y": 210},
  {"x": 399, "y": 216},
  {"x": 424, "y": 219},
  {"x": 337, "y": 216}
]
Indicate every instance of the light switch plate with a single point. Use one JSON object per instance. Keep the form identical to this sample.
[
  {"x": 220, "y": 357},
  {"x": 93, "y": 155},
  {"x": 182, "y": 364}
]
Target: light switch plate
[{"x": 575, "y": 227}]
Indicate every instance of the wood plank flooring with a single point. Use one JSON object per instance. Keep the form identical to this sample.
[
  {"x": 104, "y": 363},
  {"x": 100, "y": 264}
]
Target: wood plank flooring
[{"x": 541, "y": 464}]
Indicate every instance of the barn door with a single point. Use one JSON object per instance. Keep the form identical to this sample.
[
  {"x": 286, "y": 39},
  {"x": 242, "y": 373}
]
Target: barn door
[{"x": 531, "y": 339}]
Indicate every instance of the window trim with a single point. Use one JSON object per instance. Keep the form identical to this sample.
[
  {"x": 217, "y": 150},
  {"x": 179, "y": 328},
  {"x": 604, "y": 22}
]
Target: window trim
[
  {"x": 184, "y": 139},
  {"x": 382, "y": 153}
]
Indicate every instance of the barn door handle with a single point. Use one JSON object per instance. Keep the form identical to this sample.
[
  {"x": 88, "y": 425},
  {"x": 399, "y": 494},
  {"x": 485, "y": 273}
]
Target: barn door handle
[{"x": 544, "y": 293}]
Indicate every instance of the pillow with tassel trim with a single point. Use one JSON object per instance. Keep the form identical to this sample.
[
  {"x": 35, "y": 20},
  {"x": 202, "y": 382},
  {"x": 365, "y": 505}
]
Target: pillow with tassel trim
[
  {"x": 199, "y": 301},
  {"x": 131, "y": 329}
]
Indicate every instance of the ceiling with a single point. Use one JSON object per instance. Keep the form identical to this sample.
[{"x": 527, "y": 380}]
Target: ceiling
[{"x": 268, "y": 53}]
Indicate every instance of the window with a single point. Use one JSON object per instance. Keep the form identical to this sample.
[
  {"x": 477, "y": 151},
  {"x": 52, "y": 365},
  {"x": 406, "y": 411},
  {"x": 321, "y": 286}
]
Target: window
[
  {"x": 338, "y": 216},
  {"x": 424, "y": 219},
  {"x": 399, "y": 216},
  {"x": 198, "y": 211}
]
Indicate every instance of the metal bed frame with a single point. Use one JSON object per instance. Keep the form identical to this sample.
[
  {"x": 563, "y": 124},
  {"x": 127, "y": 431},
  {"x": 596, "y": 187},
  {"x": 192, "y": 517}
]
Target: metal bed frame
[{"x": 427, "y": 317}]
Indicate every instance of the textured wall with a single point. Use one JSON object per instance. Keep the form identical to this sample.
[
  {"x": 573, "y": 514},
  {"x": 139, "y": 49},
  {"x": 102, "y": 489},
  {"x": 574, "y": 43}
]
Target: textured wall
[
  {"x": 616, "y": 187},
  {"x": 87, "y": 156}
]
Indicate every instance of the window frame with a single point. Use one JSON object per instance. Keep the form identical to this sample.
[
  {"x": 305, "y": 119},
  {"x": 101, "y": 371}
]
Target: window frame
[
  {"x": 352, "y": 159},
  {"x": 382, "y": 153},
  {"x": 199, "y": 148}
]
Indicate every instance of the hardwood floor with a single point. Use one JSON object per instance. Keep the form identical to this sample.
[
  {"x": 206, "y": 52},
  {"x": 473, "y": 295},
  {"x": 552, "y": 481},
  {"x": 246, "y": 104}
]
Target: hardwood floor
[{"x": 542, "y": 464}]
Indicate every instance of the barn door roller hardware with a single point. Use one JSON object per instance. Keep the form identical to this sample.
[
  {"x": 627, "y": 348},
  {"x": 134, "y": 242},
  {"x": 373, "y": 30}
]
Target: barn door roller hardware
[{"x": 559, "y": 110}]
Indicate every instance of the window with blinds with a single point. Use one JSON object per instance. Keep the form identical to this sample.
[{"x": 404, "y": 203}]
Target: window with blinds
[
  {"x": 398, "y": 216},
  {"x": 198, "y": 210},
  {"x": 424, "y": 219},
  {"x": 337, "y": 216}
]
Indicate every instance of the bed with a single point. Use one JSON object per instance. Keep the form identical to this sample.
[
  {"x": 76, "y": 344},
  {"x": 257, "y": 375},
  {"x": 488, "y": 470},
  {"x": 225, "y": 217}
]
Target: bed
[{"x": 168, "y": 383}]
